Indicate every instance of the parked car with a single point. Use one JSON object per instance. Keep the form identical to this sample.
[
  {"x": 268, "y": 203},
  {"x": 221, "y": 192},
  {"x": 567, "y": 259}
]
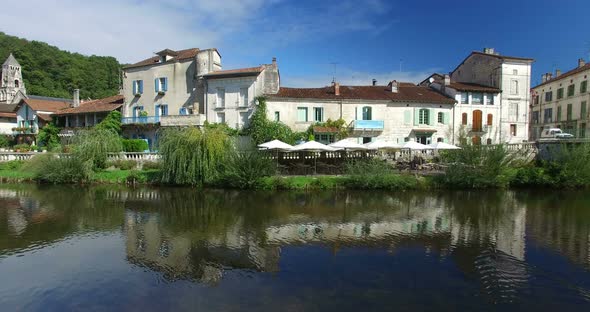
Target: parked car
[{"x": 555, "y": 133}]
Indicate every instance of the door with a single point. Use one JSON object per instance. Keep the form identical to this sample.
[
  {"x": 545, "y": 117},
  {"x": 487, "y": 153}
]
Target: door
[{"x": 477, "y": 121}]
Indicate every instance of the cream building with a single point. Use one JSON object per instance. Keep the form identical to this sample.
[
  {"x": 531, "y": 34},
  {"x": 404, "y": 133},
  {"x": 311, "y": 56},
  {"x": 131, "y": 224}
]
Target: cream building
[
  {"x": 398, "y": 112},
  {"x": 489, "y": 85},
  {"x": 561, "y": 101}
]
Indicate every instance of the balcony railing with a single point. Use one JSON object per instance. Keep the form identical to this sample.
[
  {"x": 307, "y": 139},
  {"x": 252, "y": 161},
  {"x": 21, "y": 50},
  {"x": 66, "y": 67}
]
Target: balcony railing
[
  {"x": 140, "y": 120},
  {"x": 374, "y": 125}
]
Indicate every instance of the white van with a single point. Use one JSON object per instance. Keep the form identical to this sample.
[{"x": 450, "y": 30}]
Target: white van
[{"x": 555, "y": 133}]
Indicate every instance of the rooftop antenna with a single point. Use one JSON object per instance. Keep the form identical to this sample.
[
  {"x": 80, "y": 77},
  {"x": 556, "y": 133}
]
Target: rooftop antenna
[{"x": 334, "y": 65}]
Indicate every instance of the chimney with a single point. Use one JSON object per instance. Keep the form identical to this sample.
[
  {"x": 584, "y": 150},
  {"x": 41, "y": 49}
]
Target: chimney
[
  {"x": 394, "y": 86},
  {"x": 543, "y": 78},
  {"x": 557, "y": 73},
  {"x": 76, "y": 101},
  {"x": 549, "y": 76},
  {"x": 336, "y": 88},
  {"x": 581, "y": 62},
  {"x": 447, "y": 80},
  {"x": 274, "y": 61},
  {"x": 488, "y": 51},
  {"x": 374, "y": 82}
]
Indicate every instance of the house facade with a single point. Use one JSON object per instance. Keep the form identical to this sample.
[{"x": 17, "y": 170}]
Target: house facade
[
  {"x": 398, "y": 112},
  {"x": 87, "y": 113},
  {"x": 508, "y": 78},
  {"x": 561, "y": 101},
  {"x": 231, "y": 94}
]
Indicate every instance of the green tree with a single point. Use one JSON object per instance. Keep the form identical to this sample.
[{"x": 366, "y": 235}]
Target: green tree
[
  {"x": 111, "y": 122},
  {"x": 263, "y": 130},
  {"x": 49, "y": 136}
]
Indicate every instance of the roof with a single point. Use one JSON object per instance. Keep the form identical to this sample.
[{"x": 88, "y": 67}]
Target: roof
[
  {"x": 179, "y": 55},
  {"x": 434, "y": 75},
  {"x": 8, "y": 108},
  {"x": 468, "y": 86},
  {"x": 47, "y": 98},
  {"x": 407, "y": 92},
  {"x": 107, "y": 104},
  {"x": 45, "y": 105},
  {"x": 498, "y": 56},
  {"x": 45, "y": 117},
  {"x": 239, "y": 72},
  {"x": 565, "y": 75},
  {"x": 10, "y": 60},
  {"x": 7, "y": 115},
  {"x": 320, "y": 129}
]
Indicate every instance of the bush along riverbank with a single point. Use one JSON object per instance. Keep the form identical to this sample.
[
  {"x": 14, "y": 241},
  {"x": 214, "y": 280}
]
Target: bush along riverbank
[{"x": 206, "y": 158}]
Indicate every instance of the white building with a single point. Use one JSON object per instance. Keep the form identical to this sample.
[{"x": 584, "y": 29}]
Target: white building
[
  {"x": 561, "y": 102},
  {"x": 398, "y": 112},
  {"x": 489, "y": 85},
  {"x": 231, "y": 93}
]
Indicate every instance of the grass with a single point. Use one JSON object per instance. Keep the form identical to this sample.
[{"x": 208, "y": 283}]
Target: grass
[{"x": 101, "y": 177}]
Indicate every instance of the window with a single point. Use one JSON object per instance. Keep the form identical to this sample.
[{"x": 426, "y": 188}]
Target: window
[
  {"x": 441, "y": 118},
  {"x": 549, "y": 96},
  {"x": 558, "y": 113},
  {"x": 16, "y": 83},
  {"x": 490, "y": 120},
  {"x": 243, "y": 118},
  {"x": 302, "y": 114},
  {"x": 161, "y": 84},
  {"x": 548, "y": 115},
  {"x": 318, "y": 114},
  {"x": 162, "y": 110},
  {"x": 277, "y": 116},
  {"x": 535, "y": 117},
  {"x": 137, "y": 111},
  {"x": 367, "y": 113},
  {"x": 464, "y": 119},
  {"x": 514, "y": 87},
  {"x": 569, "y": 112},
  {"x": 489, "y": 141},
  {"x": 220, "y": 97},
  {"x": 513, "y": 110},
  {"x": 244, "y": 97},
  {"x": 513, "y": 130},
  {"x": 560, "y": 93},
  {"x": 183, "y": 111},
  {"x": 439, "y": 140},
  {"x": 584, "y": 86},
  {"x": 464, "y": 98},
  {"x": 476, "y": 98},
  {"x": 515, "y": 72},
  {"x": 582, "y": 130},
  {"x": 423, "y": 116},
  {"x": 137, "y": 86},
  {"x": 490, "y": 99},
  {"x": 570, "y": 90},
  {"x": 220, "y": 117},
  {"x": 536, "y": 102},
  {"x": 583, "y": 110}
]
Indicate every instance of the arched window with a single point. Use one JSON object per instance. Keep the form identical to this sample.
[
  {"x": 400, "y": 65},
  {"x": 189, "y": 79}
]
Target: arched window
[
  {"x": 16, "y": 83},
  {"x": 477, "y": 121},
  {"x": 367, "y": 113},
  {"x": 489, "y": 141},
  {"x": 490, "y": 119},
  {"x": 464, "y": 119},
  {"x": 424, "y": 116}
]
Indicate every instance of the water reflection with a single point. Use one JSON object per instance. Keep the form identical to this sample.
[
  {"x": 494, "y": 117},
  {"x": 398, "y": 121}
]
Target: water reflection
[{"x": 491, "y": 238}]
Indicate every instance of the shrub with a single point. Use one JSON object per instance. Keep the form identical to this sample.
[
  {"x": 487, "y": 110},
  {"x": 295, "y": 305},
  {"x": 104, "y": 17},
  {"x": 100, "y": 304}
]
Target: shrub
[
  {"x": 94, "y": 146},
  {"x": 192, "y": 156},
  {"x": 245, "y": 169},
  {"x": 135, "y": 177},
  {"x": 12, "y": 165},
  {"x": 532, "y": 176},
  {"x": 371, "y": 166},
  {"x": 111, "y": 122},
  {"x": 569, "y": 165},
  {"x": 5, "y": 141},
  {"x": 134, "y": 145},
  {"x": 49, "y": 137},
  {"x": 51, "y": 169},
  {"x": 387, "y": 181},
  {"x": 151, "y": 165},
  {"x": 23, "y": 148},
  {"x": 122, "y": 164}
]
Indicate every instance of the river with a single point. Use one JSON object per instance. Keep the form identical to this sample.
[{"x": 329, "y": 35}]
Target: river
[{"x": 174, "y": 249}]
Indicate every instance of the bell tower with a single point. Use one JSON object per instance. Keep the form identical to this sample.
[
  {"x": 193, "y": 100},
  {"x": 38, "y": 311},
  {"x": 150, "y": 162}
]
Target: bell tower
[{"x": 11, "y": 81}]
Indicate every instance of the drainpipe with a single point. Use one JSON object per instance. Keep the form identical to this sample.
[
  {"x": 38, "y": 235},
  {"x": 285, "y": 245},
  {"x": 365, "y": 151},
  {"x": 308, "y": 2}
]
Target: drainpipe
[
  {"x": 453, "y": 132},
  {"x": 206, "y": 96}
]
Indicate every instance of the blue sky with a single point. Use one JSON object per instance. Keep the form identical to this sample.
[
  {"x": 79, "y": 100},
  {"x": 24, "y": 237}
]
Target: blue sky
[{"x": 313, "y": 40}]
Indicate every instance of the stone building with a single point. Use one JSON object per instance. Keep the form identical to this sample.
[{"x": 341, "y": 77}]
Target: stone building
[
  {"x": 12, "y": 86},
  {"x": 561, "y": 101}
]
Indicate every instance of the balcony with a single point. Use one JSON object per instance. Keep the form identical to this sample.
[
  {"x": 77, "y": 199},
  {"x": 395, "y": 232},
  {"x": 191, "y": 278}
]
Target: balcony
[
  {"x": 367, "y": 125},
  {"x": 140, "y": 120}
]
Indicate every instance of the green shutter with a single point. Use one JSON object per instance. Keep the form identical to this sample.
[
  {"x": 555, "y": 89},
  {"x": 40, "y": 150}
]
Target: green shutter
[
  {"x": 416, "y": 116},
  {"x": 407, "y": 117},
  {"x": 446, "y": 117},
  {"x": 431, "y": 117}
]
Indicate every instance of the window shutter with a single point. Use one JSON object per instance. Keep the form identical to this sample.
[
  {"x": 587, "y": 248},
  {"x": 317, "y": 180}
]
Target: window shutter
[
  {"x": 416, "y": 116},
  {"x": 156, "y": 85},
  {"x": 157, "y": 110},
  {"x": 140, "y": 86},
  {"x": 431, "y": 117},
  {"x": 166, "y": 84},
  {"x": 446, "y": 119},
  {"x": 407, "y": 117},
  {"x": 134, "y": 87}
]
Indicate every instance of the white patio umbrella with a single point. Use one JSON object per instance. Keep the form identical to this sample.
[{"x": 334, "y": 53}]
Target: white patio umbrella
[
  {"x": 444, "y": 146},
  {"x": 275, "y": 145},
  {"x": 348, "y": 145},
  {"x": 415, "y": 146},
  {"x": 313, "y": 146},
  {"x": 382, "y": 145}
]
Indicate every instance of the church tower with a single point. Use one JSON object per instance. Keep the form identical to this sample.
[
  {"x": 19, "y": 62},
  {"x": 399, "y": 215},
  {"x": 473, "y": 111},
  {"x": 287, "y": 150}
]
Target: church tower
[{"x": 11, "y": 82}]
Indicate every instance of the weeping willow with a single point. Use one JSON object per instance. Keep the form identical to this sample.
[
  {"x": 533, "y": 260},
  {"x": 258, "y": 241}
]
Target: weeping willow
[
  {"x": 94, "y": 145},
  {"x": 192, "y": 156}
]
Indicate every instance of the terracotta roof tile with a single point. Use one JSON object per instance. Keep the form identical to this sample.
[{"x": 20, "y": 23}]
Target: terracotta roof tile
[
  {"x": 8, "y": 115},
  {"x": 107, "y": 104},
  {"x": 320, "y": 129},
  {"x": 468, "y": 86},
  {"x": 235, "y": 72},
  {"x": 46, "y": 105},
  {"x": 407, "y": 92},
  {"x": 565, "y": 75},
  {"x": 180, "y": 55},
  {"x": 8, "y": 108},
  {"x": 46, "y": 117}
]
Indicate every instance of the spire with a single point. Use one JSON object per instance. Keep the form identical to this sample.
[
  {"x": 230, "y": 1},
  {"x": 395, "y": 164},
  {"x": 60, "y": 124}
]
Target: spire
[{"x": 11, "y": 61}]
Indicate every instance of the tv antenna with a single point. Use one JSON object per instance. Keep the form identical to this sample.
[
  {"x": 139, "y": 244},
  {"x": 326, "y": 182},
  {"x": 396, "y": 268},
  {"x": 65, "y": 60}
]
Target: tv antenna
[{"x": 334, "y": 66}]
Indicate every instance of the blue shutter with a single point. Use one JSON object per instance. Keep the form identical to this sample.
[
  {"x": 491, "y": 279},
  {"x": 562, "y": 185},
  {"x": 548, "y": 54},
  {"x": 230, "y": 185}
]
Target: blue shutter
[
  {"x": 158, "y": 110},
  {"x": 140, "y": 86},
  {"x": 134, "y": 83},
  {"x": 134, "y": 112},
  {"x": 164, "y": 110},
  {"x": 156, "y": 85},
  {"x": 165, "y": 87}
]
